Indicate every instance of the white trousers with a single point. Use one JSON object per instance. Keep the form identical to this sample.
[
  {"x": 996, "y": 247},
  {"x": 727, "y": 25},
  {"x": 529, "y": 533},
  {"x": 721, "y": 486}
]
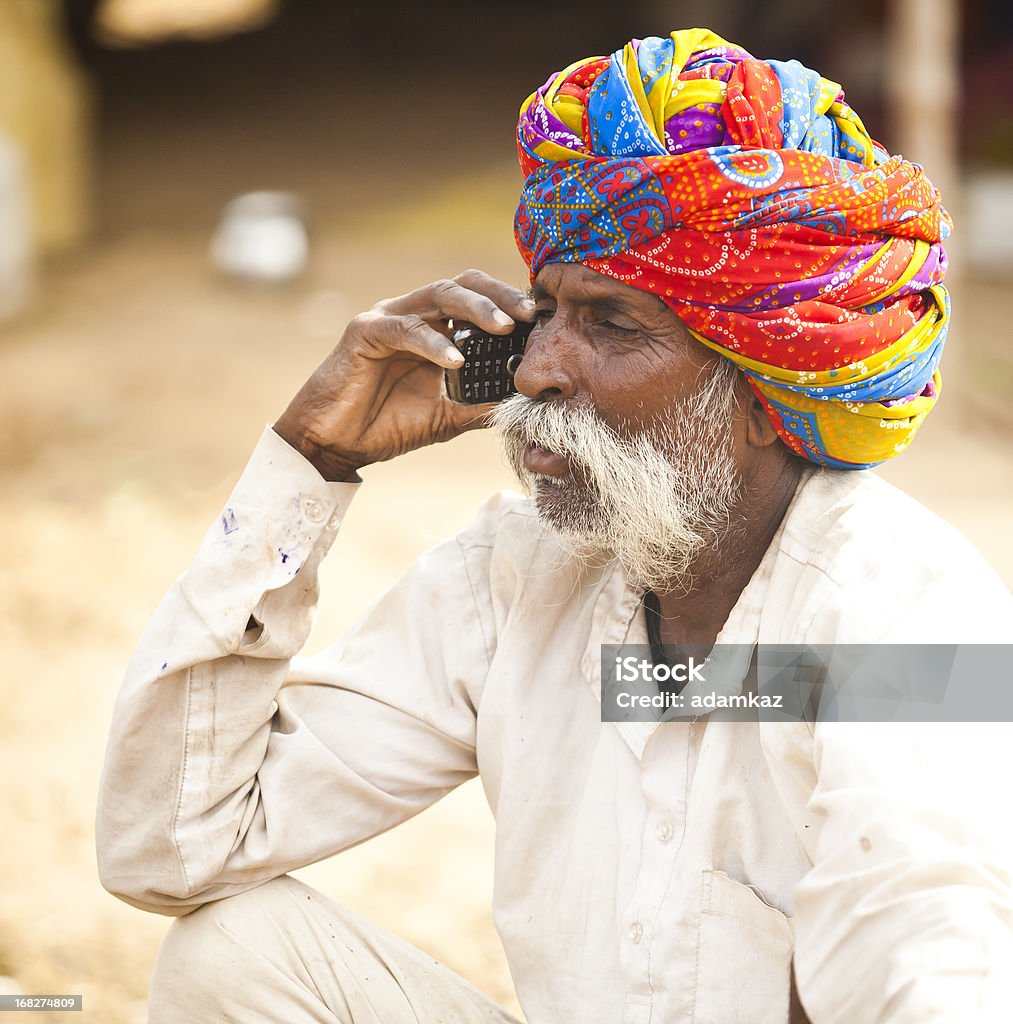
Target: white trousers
[{"x": 285, "y": 953}]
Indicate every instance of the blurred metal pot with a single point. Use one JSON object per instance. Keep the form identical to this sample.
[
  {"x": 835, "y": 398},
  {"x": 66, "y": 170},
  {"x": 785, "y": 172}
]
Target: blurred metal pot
[{"x": 262, "y": 237}]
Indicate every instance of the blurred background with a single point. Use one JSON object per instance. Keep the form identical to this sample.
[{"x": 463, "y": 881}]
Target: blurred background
[{"x": 148, "y": 330}]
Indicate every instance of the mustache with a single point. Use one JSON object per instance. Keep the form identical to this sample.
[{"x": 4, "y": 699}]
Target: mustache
[
  {"x": 575, "y": 431},
  {"x": 575, "y": 428}
]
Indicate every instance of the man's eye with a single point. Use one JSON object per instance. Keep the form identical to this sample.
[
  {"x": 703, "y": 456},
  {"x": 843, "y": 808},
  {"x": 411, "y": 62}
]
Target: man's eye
[{"x": 618, "y": 329}]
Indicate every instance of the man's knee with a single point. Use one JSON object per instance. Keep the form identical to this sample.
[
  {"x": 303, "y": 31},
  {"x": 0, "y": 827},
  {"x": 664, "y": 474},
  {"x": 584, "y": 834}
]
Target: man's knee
[
  {"x": 248, "y": 919},
  {"x": 284, "y": 951},
  {"x": 212, "y": 957}
]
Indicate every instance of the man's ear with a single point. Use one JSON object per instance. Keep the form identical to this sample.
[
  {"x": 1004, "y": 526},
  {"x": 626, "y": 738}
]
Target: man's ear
[{"x": 760, "y": 431}]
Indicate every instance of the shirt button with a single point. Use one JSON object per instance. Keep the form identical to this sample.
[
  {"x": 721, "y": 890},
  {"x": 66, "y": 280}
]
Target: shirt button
[
  {"x": 636, "y": 932},
  {"x": 314, "y": 510},
  {"x": 334, "y": 522},
  {"x": 664, "y": 831}
]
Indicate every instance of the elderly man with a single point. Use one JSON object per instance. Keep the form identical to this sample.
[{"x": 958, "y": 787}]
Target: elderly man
[{"x": 737, "y": 308}]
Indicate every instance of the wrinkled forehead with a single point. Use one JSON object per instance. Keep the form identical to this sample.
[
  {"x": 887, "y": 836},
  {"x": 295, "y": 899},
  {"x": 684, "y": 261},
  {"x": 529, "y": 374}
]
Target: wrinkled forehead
[{"x": 576, "y": 283}]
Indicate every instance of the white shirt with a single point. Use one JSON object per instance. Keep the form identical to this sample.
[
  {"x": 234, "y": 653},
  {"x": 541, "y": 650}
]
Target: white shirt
[{"x": 644, "y": 873}]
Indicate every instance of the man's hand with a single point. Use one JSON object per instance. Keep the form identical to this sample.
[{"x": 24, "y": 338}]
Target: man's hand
[{"x": 380, "y": 392}]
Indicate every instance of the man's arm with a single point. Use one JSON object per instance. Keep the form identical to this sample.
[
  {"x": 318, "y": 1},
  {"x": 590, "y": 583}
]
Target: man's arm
[
  {"x": 216, "y": 779},
  {"x": 907, "y": 914}
]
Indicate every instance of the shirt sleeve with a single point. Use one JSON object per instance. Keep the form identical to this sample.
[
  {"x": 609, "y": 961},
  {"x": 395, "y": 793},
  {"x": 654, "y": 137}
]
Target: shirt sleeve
[
  {"x": 907, "y": 914},
  {"x": 228, "y": 763}
]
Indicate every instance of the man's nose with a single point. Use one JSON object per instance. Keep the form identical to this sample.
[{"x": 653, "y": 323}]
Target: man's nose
[{"x": 547, "y": 369}]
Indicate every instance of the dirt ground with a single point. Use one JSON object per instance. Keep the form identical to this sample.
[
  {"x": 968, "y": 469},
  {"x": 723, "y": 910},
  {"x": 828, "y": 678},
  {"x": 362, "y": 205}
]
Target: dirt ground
[{"x": 132, "y": 396}]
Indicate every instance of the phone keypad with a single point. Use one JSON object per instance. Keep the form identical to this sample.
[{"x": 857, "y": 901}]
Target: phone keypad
[{"x": 489, "y": 364}]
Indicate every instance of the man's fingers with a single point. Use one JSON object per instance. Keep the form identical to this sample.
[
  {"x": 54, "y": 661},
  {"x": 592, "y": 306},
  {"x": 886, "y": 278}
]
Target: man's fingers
[
  {"x": 448, "y": 300},
  {"x": 491, "y": 305},
  {"x": 506, "y": 296},
  {"x": 408, "y": 333},
  {"x": 470, "y": 417}
]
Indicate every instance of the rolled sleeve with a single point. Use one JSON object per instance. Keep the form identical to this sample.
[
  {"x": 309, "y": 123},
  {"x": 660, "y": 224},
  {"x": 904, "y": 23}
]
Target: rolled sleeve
[{"x": 215, "y": 779}]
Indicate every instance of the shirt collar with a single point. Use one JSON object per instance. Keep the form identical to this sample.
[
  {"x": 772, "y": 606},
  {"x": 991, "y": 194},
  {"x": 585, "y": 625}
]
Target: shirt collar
[{"x": 617, "y": 618}]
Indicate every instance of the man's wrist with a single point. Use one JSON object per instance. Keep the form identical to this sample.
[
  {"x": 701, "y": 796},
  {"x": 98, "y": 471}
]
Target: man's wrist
[{"x": 332, "y": 466}]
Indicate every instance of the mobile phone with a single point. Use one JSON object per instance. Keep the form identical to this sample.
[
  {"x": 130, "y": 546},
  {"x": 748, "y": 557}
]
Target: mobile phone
[{"x": 490, "y": 362}]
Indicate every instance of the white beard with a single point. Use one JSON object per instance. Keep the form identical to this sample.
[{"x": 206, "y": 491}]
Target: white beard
[{"x": 655, "y": 499}]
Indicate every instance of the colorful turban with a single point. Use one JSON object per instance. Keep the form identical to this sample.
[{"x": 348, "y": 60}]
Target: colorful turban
[{"x": 749, "y": 197}]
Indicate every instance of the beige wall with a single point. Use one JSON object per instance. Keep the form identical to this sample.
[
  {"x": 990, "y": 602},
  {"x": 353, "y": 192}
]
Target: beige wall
[{"x": 46, "y": 107}]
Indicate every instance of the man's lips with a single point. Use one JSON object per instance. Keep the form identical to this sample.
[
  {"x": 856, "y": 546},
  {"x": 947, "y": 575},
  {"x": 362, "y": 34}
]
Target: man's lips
[{"x": 541, "y": 460}]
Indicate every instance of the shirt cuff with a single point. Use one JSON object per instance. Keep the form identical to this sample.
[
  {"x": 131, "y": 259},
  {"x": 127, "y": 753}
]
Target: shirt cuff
[
  {"x": 276, "y": 474},
  {"x": 261, "y": 555}
]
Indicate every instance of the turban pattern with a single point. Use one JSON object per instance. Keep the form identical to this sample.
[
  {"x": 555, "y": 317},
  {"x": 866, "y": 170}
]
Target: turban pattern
[{"x": 748, "y": 196}]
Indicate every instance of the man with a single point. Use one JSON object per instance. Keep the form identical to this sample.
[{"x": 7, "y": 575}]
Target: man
[{"x": 737, "y": 307}]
